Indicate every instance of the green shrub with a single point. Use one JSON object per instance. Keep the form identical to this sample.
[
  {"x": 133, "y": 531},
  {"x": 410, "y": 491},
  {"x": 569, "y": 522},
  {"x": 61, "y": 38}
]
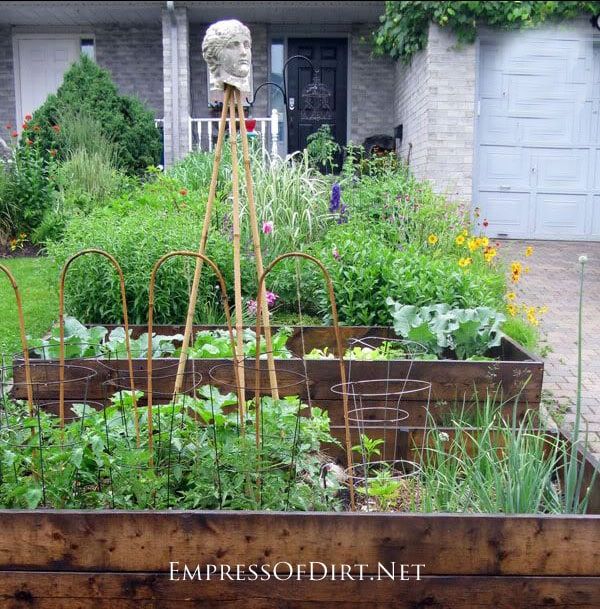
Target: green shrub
[
  {"x": 138, "y": 228},
  {"x": 124, "y": 120}
]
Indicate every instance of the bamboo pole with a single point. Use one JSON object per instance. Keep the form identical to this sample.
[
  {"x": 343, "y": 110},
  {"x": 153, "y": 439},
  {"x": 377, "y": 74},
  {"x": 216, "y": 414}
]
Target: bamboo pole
[
  {"x": 202, "y": 247},
  {"x": 237, "y": 272},
  {"x": 257, "y": 251}
]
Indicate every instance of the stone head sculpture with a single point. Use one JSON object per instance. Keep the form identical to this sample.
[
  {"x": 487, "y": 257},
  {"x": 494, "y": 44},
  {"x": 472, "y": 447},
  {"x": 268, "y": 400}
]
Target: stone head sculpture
[{"x": 227, "y": 49}]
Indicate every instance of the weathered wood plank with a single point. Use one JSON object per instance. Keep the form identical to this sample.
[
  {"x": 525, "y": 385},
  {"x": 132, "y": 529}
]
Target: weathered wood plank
[
  {"x": 452, "y": 381},
  {"x": 21, "y": 590},
  {"x": 447, "y": 544}
]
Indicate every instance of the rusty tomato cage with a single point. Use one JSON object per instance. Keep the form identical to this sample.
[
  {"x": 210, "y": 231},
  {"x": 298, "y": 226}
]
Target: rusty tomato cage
[{"x": 209, "y": 430}]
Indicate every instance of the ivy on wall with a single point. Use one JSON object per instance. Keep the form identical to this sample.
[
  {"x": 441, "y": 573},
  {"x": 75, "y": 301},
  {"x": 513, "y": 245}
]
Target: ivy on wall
[{"x": 404, "y": 25}]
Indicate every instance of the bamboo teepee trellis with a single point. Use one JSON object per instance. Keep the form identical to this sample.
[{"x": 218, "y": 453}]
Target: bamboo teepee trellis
[{"x": 232, "y": 103}]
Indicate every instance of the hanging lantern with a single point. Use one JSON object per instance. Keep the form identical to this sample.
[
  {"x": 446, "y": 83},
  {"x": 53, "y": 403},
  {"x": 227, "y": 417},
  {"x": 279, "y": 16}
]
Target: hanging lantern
[{"x": 317, "y": 101}]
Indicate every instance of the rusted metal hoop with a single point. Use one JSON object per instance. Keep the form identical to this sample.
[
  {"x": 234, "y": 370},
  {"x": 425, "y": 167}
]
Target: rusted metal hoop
[
  {"x": 61, "y": 322},
  {"x": 338, "y": 341},
  {"x": 199, "y": 258},
  {"x": 23, "y": 335}
]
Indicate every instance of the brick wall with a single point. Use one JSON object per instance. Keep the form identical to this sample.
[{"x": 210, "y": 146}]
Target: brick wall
[
  {"x": 198, "y": 79},
  {"x": 7, "y": 87},
  {"x": 134, "y": 56},
  {"x": 435, "y": 101},
  {"x": 372, "y": 88}
]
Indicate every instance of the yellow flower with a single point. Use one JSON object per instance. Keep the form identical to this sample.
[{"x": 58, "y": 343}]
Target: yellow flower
[
  {"x": 516, "y": 268},
  {"x": 465, "y": 232},
  {"x": 528, "y": 251},
  {"x": 464, "y": 262},
  {"x": 472, "y": 243},
  {"x": 433, "y": 239},
  {"x": 460, "y": 240},
  {"x": 543, "y": 310},
  {"x": 511, "y": 296},
  {"x": 512, "y": 309},
  {"x": 489, "y": 254},
  {"x": 485, "y": 241}
]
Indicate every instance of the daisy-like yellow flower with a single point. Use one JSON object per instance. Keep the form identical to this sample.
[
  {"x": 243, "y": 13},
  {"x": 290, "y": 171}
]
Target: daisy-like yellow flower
[
  {"x": 485, "y": 241},
  {"x": 528, "y": 251},
  {"x": 511, "y": 296},
  {"x": 464, "y": 262},
  {"x": 432, "y": 239},
  {"x": 489, "y": 254},
  {"x": 472, "y": 243},
  {"x": 460, "y": 240},
  {"x": 512, "y": 310}
]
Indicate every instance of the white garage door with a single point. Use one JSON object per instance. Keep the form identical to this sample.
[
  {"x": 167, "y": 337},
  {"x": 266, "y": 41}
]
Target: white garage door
[{"x": 538, "y": 151}]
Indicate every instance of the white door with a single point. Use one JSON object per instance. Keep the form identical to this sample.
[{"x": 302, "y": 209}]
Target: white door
[
  {"x": 538, "y": 151},
  {"x": 42, "y": 64}
]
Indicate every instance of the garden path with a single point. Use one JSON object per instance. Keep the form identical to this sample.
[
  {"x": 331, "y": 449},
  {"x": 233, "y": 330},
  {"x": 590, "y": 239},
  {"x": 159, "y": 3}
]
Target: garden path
[{"x": 554, "y": 281}]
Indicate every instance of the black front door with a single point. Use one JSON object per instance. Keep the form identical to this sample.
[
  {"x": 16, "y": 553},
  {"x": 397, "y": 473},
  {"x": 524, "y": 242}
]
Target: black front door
[{"x": 330, "y": 57}]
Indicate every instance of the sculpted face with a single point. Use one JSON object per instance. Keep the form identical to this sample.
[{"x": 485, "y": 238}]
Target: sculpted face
[
  {"x": 227, "y": 49},
  {"x": 235, "y": 57}
]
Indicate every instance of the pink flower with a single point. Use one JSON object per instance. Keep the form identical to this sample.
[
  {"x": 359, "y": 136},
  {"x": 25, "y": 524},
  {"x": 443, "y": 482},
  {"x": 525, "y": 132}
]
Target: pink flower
[
  {"x": 267, "y": 227},
  {"x": 335, "y": 253},
  {"x": 271, "y": 298},
  {"x": 251, "y": 305}
]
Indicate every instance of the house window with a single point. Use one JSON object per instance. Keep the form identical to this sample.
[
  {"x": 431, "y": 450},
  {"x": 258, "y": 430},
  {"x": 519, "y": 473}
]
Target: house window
[
  {"x": 88, "y": 48},
  {"x": 275, "y": 97}
]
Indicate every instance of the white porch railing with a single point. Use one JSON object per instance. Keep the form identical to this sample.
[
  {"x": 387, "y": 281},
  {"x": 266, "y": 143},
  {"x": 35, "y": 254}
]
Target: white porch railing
[{"x": 202, "y": 132}]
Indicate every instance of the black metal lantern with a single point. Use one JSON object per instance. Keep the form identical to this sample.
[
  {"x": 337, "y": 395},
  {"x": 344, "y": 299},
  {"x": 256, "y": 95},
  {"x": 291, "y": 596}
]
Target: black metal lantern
[{"x": 317, "y": 101}]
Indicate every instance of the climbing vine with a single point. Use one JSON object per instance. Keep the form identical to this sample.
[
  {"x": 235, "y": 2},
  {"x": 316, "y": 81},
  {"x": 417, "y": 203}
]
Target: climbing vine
[{"x": 403, "y": 29}]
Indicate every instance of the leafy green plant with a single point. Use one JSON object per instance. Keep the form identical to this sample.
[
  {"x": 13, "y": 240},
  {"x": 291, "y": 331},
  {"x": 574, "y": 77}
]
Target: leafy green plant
[
  {"x": 404, "y": 25},
  {"x": 322, "y": 149},
  {"x": 467, "y": 332},
  {"x": 201, "y": 460}
]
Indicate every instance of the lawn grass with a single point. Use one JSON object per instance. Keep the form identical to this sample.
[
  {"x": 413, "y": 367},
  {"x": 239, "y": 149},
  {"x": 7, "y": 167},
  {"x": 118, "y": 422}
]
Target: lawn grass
[{"x": 38, "y": 283}]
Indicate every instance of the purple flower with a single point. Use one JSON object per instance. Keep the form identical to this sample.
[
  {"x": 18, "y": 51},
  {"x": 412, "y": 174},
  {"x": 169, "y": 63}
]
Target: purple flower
[
  {"x": 336, "y": 198},
  {"x": 251, "y": 305},
  {"x": 267, "y": 227},
  {"x": 343, "y": 214},
  {"x": 335, "y": 253},
  {"x": 271, "y": 298}
]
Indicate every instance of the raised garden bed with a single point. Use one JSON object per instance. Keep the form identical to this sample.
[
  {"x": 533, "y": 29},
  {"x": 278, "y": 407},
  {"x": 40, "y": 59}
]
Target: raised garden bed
[
  {"x": 122, "y": 560},
  {"x": 453, "y": 382}
]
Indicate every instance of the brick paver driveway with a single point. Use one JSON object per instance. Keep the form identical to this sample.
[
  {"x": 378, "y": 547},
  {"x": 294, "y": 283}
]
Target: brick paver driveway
[{"x": 554, "y": 281}]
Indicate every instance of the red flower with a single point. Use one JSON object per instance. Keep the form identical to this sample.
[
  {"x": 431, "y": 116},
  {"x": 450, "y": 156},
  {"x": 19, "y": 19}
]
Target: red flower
[
  {"x": 56, "y": 128},
  {"x": 183, "y": 192},
  {"x": 8, "y": 126},
  {"x": 485, "y": 223},
  {"x": 14, "y": 134},
  {"x": 37, "y": 128},
  {"x": 52, "y": 152},
  {"x": 28, "y": 142},
  {"x": 28, "y": 117},
  {"x": 25, "y": 125}
]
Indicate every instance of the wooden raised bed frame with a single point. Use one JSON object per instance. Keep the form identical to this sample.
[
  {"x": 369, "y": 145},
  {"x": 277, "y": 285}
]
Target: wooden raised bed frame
[
  {"x": 453, "y": 382},
  {"x": 121, "y": 560},
  {"x": 82, "y": 559}
]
